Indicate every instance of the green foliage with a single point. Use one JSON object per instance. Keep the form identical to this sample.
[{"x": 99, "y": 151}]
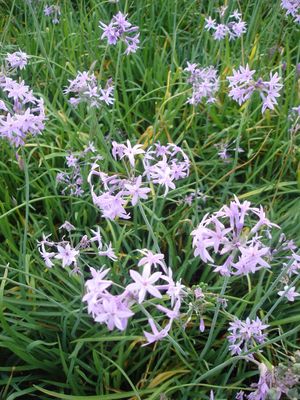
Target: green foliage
[{"x": 49, "y": 345}]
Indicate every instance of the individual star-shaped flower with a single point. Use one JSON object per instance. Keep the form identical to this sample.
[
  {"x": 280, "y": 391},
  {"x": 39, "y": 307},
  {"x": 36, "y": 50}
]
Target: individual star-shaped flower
[
  {"x": 130, "y": 151},
  {"x": 289, "y": 293},
  {"x": 136, "y": 191},
  {"x": 67, "y": 254},
  {"x": 156, "y": 334},
  {"x": 144, "y": 283}
]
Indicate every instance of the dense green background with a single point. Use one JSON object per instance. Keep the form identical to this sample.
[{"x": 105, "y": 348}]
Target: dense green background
[{"x": 47, "y": 340}]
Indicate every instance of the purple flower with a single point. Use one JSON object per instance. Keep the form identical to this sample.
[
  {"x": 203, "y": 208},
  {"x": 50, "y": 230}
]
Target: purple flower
[
  {"x": 3, "y": 106},
  {"x": 112, "y": 206},
  {"x": 242, "y": 85},
  {"x": 237, "y": 29},
  {"x": 131, "y": 151},
  {"x": 263, "y": 386},
  {"x": 156, "y": 335},
  {"x": 109, "y": 252},
  {"x": 120, "y": 29},
  {"x": 114, "y": 313},
  {"x": 251, "y": 259},
  {"x": 67, "y": 254},
  {"x": 122, "y": 150},
  {"x": 220, "y": 31},
  {"x": 289, "y": 293},
  {"x": 143, "y": 283},
  {"x": 202, "y": 325},
  {"x": 67, "y": 226},
  {"x": 171, "y": 314},
  {"x": 52, "y": 11},
  {"x": 292, "y": 8},
  {"x": 104, "y": 307},
  {"x": 175, "y": 290},
  {"x": 46, "y": 255},
  {"x": 17, "y": 59},
  {"x": 96, "y": 286},
  {"x": 205, "y": 83},
  {"x": 23, "y": 114},
  {"x": 224, "y": 232},
  {"x": 85, "y": 89},
  {"x": 97, "y": 237},
  {"x": 73, "y": 180},
  {"x": 210, "y": 23},
  {"x": 234, "y": 27},
  {"x": 71, "y": 160},
  {"x": 152, "y": 259},
  {"x": 136, "y": 190},
  {"x": 245, "y": 334},
  {"x": 163, "y": 163}
]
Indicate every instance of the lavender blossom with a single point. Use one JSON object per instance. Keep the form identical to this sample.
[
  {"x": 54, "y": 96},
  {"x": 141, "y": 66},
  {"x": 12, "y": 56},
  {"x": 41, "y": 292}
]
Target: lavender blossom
[
  {"x": 47, "y": 256},
  {"x": 67, "y": 254},
  {"x": 246, "y": 334},
  {"x": 85, "y": 89},
  {"x": 156, "y": 335},
  {"x": 97, "y": 237},
  {"x": 189, "y": 198},
  {"x": 294, "y": 118},
  {"x": 292, "y": 7},
  {"x": 224, "y": 233},
  {"x": 136, "y": 191},
  {"x": 109, "y": 303},
  {"x": 52, "y": 11},
  {"x": 22, "y": 114},
  {"x": 273, "y": 383},
  {"x": 67, "y": 226},
  {"x": 224, "y": 150},
  {"x": 115, "y": 311},
  {"x": 17, "y": 59},
  {"x": 143, "y": 283},
  {"x": 234, "y": 27},
  {"x": 72, "y": 181},
  {"x": 242, "y": 85},
  {"x": 152, "y": 259},
  {"x": 122, "y": 150},
  {"x": 120, "y": 29},
  {"x": 205, "y": 83},
  {"x": 108, "y": 252},
  {"x": 163, "y": 165},
  {"x": 289, "y": 292}
]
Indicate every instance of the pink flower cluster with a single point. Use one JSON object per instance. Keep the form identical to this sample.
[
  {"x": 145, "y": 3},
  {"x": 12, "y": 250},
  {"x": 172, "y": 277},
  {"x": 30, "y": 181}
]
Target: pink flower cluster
[
  {"x": 162, "y": 165},
  {"x": 21, "y": 114},
  {"x": 292, "y": 8},
  {"x": 52, "y": 11},
  {"x": 191, "y": 197},
  {"x": 235, "y": 232},
  {"x": 16, "y": 60},
  {"x": 205, "y": 83},
  {"x": 224, "y": 150},
  {"x": 85, "y": 88},
  {"x": 242, "y": 85},
  {"x": 114, "y": 310},
  {"x": 294, "y": 117},
  {"x": 246, "y": 334},
  {"x": 235, "y": 27},
  {"x": 71, "y": 256},
  {"x": 72, "y": 180},
  {"x": 273, "y": 383},
  {"x": 120, "y": 29}
]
